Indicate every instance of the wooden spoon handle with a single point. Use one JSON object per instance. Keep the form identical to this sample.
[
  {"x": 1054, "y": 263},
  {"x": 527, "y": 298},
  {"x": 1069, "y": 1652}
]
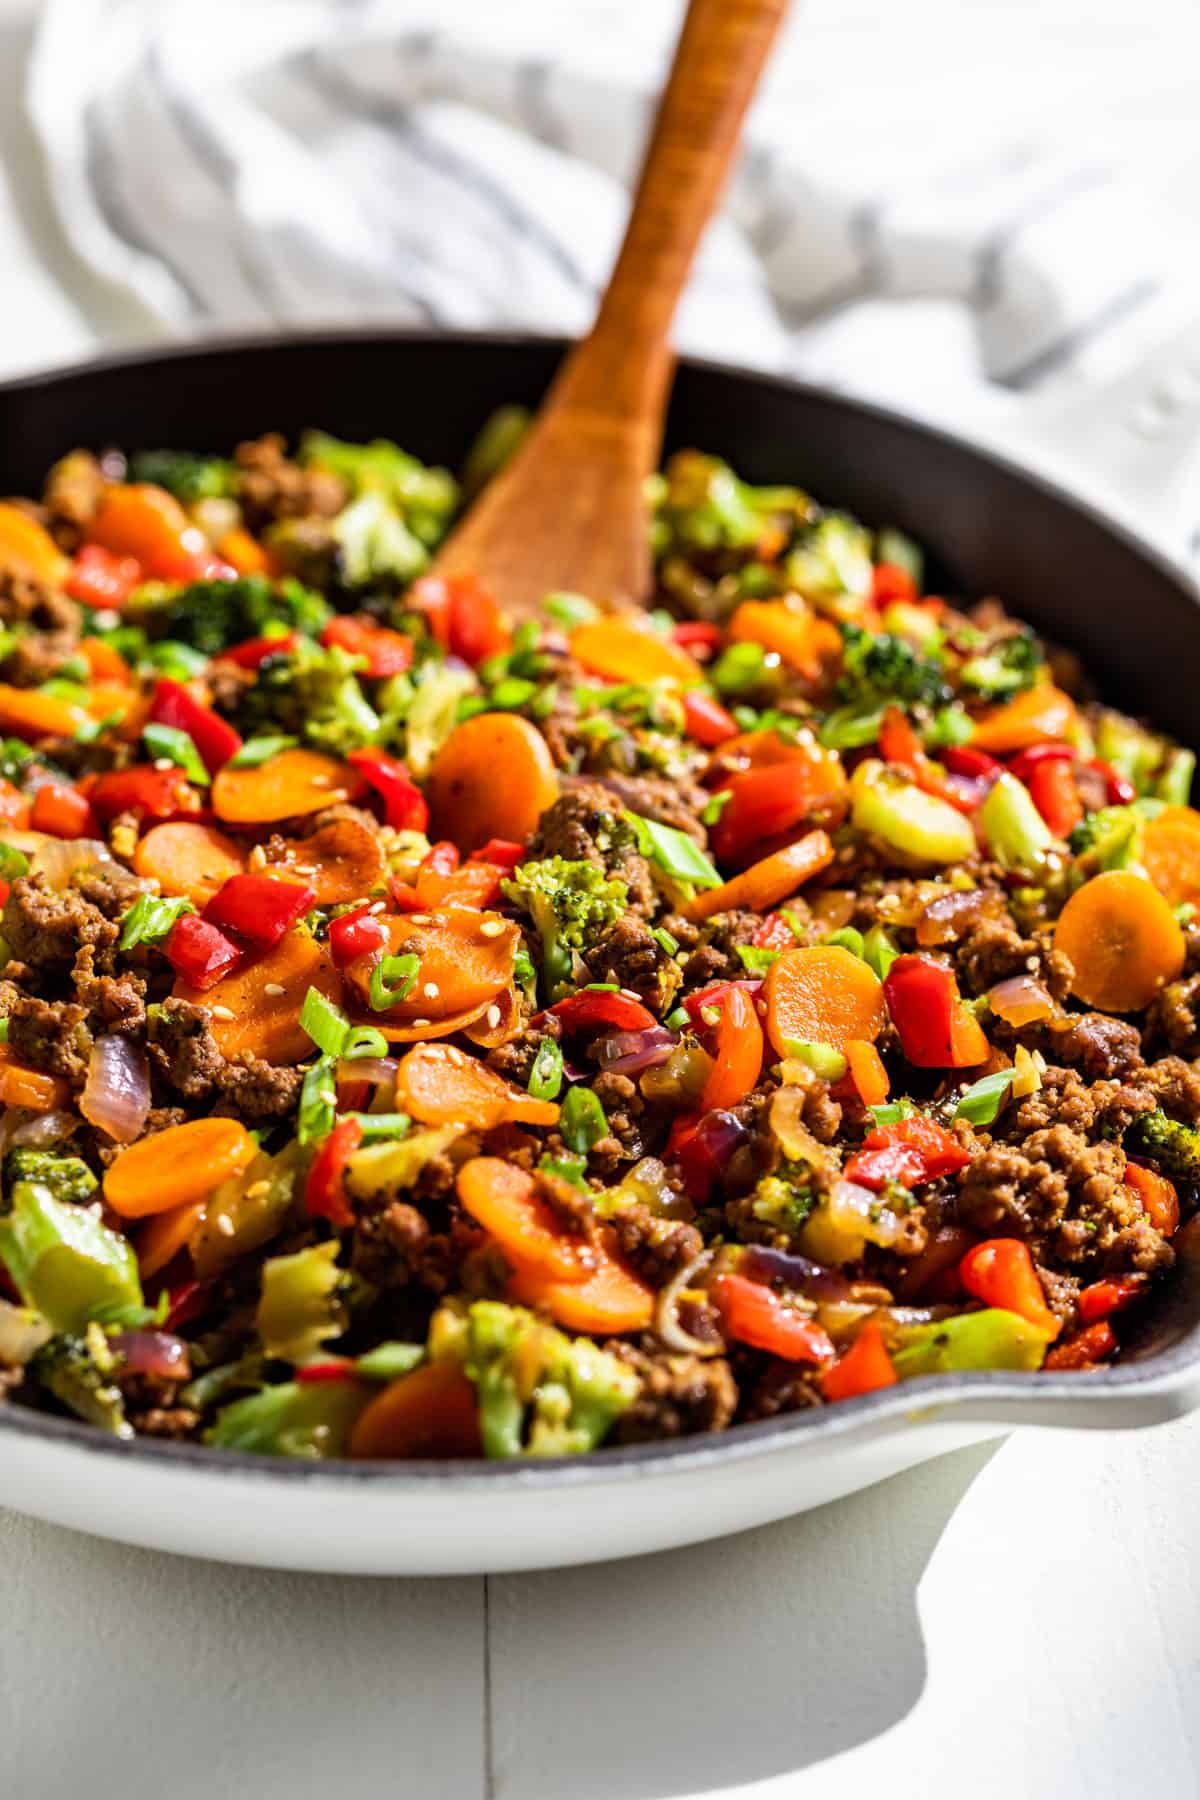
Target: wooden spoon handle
[{"x": 622, "y": 369}]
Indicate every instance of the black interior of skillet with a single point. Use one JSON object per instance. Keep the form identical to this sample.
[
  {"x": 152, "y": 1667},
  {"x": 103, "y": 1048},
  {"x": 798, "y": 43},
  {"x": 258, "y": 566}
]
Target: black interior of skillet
[{"x": 990, "y": 528}]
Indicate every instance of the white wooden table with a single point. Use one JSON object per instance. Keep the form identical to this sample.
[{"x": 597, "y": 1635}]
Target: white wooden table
[{"x": 1016, "y": 1620}]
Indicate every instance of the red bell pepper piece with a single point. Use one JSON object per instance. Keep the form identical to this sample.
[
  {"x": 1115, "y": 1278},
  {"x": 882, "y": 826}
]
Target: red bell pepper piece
[
  {"x": 463, "y": 615},
  {"x": 936, "y": 1030},
  {"x": 1000, "y": 1272},
  {"x": 713, "y": 998},
  {"x": 260, "y": 908},
  {"x": 911, "y": 1151},
  {"x": 215, "y": 740},
  {"x": 706, "y": 720},
  {"x": 441, "y": 858},
  {"x": 336, "y": 1368},
  {"x": 1026, "y": 761},
  {"x": 404, "y": 807},
  {"x": 774, "y": 934},
  {"x": 154, "y": 793},
  {"x": 1085, "y": 1349},
  {"x": 1157, "y": 1195},
  {"x": 5, "y": 891},
  {"x": 254, "y": 651},
  {"x": 757, "y": 1315},
  {"x": 738, "y": 1053},
  {"x": 1109, "y": 1296},
  {"x": 590, "y": 1010},
  {"x": 501, "y": 853},
  {"x": 1056, "y": 795},
  {"x": 1120, "y": 790},
  {"x": 186, "y": 1302},
  {"x": 890, "y": 582},
  {"x": 325, "y": 1191},
  {"x": 898, "y": 742},
  {"x": 763, "y": 802},
  {"x": 62, "y": 811},
  {"x": 697, "y": 636},
  {"x": 387, "y": 652},
  {"x": 864, "y": 1368},
  {"x": 977, "y": 765},
  {"x": 101, "y": 580},
  {"x": 200, "y": 952},
  {"x": 14, "y": 805},
  {"x": 355, "y": 934}
]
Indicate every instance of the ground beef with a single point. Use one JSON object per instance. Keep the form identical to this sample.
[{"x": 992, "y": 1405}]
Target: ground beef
[
  {"x": 38, "y": 657},
  {"x": 51, "y": 1036},
  {"x": 1174, "y": 1085},
  {"x": 584, "y": 825},
  {"x": 258, "y": 1091},
  {"x": 657, "y": 1248},
  {"x": 72, "y": 495},
  {"x": 183, "y": 1049},
  {"x": 1067, "y": 1197},
  {"x": 1101, "y": 1109},
  {"x": 632, "y": 957},
  {"x": 166, "y": 1421},
  {"x": 781, "y": 1388},
  {"x": 228, "y": 683},
  {"x": 27, "y": 601},
  {"x": 1104, "y": 1049},
  {"x": 992, "y": 949},
  {"x": 680, "y": 1396},
  {"x": 396, "y": 1246},
  {"x": 675, "y": 803},
  {"x": 822, "y": 1113},
  {"x": 270, "y": 486},
  {"x": 715, "y": 957},
  {"x": 1174, "y": 1016},
  {"x": 623, "y": 1106},
  {"x": 45, "y": 926},
  {"x": 113, "y": 1002},
  {"x": 515, "y": 1059},
  {"x": 109, "y": 887}
]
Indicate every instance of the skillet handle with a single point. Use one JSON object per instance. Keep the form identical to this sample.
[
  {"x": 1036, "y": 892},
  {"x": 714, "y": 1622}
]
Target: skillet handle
[{"x": 1137, "y": 440}]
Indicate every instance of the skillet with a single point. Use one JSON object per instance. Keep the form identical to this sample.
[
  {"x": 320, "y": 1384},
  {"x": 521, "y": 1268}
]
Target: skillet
[{"x": 990, "y": 527}]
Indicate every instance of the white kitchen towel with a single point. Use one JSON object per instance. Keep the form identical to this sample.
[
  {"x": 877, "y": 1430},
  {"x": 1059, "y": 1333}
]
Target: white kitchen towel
[{"x": 938, "y": 203}]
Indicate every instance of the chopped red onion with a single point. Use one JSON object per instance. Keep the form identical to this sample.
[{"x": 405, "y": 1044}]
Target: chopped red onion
[
  {"x": 158, "y": 1354},
  {"x": 376, "y": 1071},
  {"x": 797, "y": 1272},
  {"x": 116, "y": 1095},
  {"x": 48, "y": 1128},
  {"x": 629, "y": 1052}
]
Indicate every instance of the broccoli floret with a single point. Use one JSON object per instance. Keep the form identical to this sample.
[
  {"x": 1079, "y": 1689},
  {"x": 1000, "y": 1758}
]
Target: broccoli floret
[
  {"x": 1173, "y": 1146},
  {"x": 67, "y": 1177},
  {"x": 78, "y": 1372},
  {"x": 784, "y": 1201},
  {"x": 424, "y": 498},
  {"x": 211, "y": 615},
  {"x": 188, "y": 477},
  {"x": 880, "y": 668},
  {"x": 832, "y": 560},
  {"x": 1132, "y": 750},
  {"x": 1108, "y": 839},
  {"x": 375, "y": 545},
  {"x": 1010, "y": 665},
  {"x": 703, "y": 506},
  {"x": 572, "y": 905},
  {"x": 540, "y": 1392},
  {"x": 312, "y": 694},
  {"x": 499, "y": 438}
]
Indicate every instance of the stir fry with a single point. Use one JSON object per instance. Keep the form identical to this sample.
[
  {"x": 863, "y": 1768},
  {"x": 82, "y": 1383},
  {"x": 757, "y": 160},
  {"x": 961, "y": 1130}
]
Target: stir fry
[{"x": 428, "y": 1035}]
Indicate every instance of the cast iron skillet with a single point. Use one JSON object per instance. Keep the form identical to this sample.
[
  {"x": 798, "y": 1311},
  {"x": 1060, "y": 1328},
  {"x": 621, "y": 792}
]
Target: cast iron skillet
[{"x": 990, "y": 528}]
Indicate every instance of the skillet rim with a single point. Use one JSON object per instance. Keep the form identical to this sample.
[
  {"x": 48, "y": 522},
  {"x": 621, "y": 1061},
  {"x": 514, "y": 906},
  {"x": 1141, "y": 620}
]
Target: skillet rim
[{"x": 1160, "y": 1376}]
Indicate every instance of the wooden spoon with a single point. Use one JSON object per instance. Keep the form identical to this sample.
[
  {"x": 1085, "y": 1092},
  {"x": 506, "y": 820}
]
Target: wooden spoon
[{"x": 568, "y": 511}]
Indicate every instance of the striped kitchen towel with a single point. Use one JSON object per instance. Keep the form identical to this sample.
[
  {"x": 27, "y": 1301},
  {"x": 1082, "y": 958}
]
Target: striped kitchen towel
[{"x": 937, "y": 201}]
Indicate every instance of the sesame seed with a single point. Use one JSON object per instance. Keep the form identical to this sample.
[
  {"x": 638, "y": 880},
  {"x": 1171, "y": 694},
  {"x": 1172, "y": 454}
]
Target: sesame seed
[
  {"x": 491, "y": 928},
  {"x": 340, "y": 794},
  {"x": 422, "y": 1024},
  {"x": 431, "y": 990},
  {"x": 329, "y": 1096},
  {"x": 274, "y": 988},
  {"x": 628, "y": 994},
  {"x": 224, "y": 1224},
  {"x": 258, "y": 857},
  {"x": 105, "y": 620},
  {"x": 420, "y": 918},
  {"x": 1031, "y": 963},
  {"x": 493, "y": 1016},
  {"x": 163, "y": 763},
  {"x": 257, "y": 1189},
  {"x": 377, "y": 906},
  {"x": 221, "y": 1012},
  {"x": 321, "y": 781}
]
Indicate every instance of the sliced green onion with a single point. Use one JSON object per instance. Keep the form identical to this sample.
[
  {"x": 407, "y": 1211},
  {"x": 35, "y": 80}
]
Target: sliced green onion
[
  {"x": 980, "y": 1103},
  {"x": 393, "y": 979},
  {"x": 151, "y": 918},
  {"x": 258, "y": 750},
  {"x": 822, "y": 1059},
  {"x": 546, "y": 1075},
  {"x": 582, "y": 1122},
  {"x": 177, "y": 747},
  {"x": 386, "y": 1361},
  {"x": 847, "y": 939},
  {"x": 676, "y": 854}
]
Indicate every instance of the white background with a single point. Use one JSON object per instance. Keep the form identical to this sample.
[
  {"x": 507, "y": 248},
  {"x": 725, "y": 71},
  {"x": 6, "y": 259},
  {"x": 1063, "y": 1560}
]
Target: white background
[{"x": 1016, "y": 1620}]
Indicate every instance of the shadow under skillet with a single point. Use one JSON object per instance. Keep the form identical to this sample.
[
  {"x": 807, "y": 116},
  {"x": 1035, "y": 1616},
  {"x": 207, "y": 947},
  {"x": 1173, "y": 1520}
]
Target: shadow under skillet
[{"x": 720, "y": 1665}]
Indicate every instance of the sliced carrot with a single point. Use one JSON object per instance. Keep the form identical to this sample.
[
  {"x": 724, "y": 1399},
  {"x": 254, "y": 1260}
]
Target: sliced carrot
[
  {"x": 738, "y": 1053},
  {"x": 867, "y": 1072},
  {"x": 1042, "y": 714},
  {"x": 257, "y": 1008},
  {"x": 441, "y": 1085},
  {"x": 26, "y": 548},
  {"x": 105, "y": 663},
  {"x": 611, "y": 1299},
  {"x": 791, "y": 629},
  {"x": 1157, "y": 1196},
  {"x": 22, "y": 1086},
  {"x": 765, "y": 883},
  {"x": 493, "y": 778},
  {"x": 1171, "y": 854},
  {"x": 27, "y": 713},
  {"x": 466, "y": 960},
  {"x": 188, "y": 859},
  {"x": 431, "y": 1412},
  {"x": 166, "y": 1234},
  {"x": 504, "y": 1200},
  {"x": 141, "y": 520},
  {"x": 419, "y": 1030},
  {"x": 174, "y": 1167},
  {"x": 620, "y": 650},
  {"x": 1123, "y": 941},
  {"x": 284, "y": 787},
  {"x": 245, "y": 553},
  {"x": 497, "y": 1024},
  {"x": 822, "y": 995},
  {"x": 863, "y": 1369},
  {"x": 342, "y": 861}
]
